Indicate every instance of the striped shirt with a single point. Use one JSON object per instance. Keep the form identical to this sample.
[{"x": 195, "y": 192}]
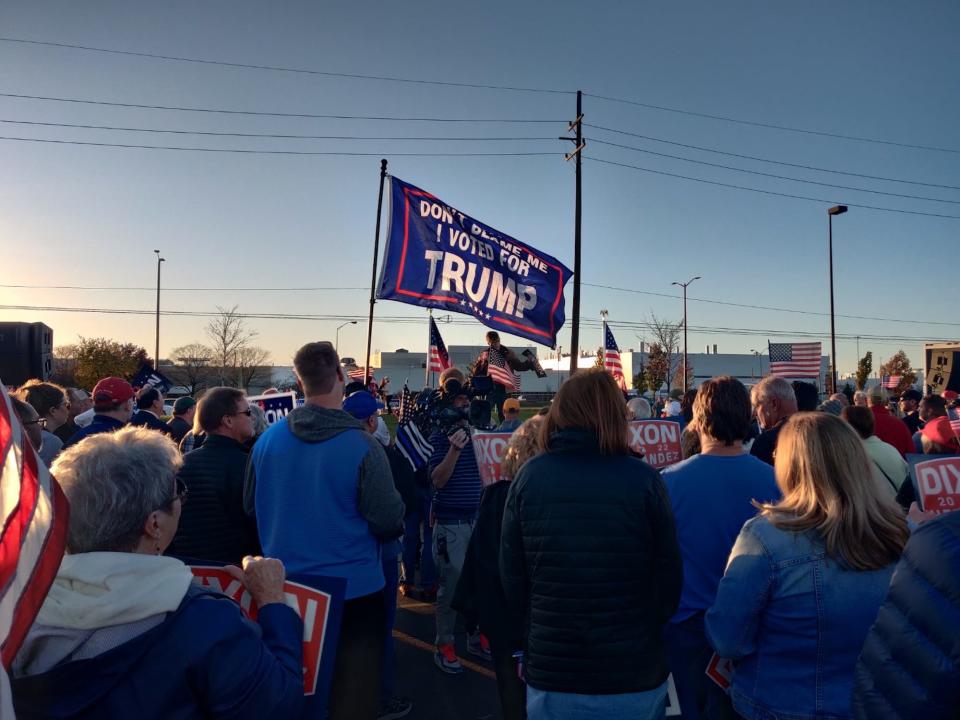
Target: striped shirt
[{"x": 459, "y": 499}]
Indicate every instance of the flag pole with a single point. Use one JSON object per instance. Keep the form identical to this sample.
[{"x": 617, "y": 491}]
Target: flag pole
[
  {"x": 373, "y": 277},
  {"x": 428, "y": 380}
]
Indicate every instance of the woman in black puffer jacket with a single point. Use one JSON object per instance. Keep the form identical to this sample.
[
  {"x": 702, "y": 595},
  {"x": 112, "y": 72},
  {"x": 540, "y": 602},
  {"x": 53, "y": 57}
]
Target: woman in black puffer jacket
[{"x": 589, "y": 559}]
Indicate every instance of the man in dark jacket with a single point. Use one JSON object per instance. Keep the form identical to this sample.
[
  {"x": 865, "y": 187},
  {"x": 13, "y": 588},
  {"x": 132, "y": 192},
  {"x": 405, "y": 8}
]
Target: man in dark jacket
[
  {"x": 774, "y": 401},
  {"x": 364, "y": 407},
  {"x": 182, "y": 421},
  {"x": 213, "y": 524},
  {"x": 149, "y": 410},
  {"x": 910, "y": 663},
  {"x": 909, "y": 406},
  {"x": 112, "y": 407}
]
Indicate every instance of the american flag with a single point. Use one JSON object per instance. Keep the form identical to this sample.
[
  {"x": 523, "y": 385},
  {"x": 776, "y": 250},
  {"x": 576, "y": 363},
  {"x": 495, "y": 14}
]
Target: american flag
[
  {"x": 890, "y": 382},
  {"x": 795, "y": 360},
  {"x": 33, "y": 535},
  {"x": 357, "y": 374},
  {"x": 439, "y": 358},
  {"x": 500, "y": 371},
  {"x": 410, "y": 441},
  {"x": 611, "y": 357},
  {"x": 954, "y": 421}
]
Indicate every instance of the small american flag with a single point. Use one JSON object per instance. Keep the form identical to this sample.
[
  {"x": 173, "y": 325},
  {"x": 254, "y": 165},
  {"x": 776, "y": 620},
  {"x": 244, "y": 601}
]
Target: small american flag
[
  {"x": 439, "y": 358},
  {"x": 500, "y": 371},
  {"x": 357, "y": 374},
  {"x": 33, "y": 534},
  {"x": 410, "y": 441},
  {"x": 890, "y": 382},
  {"x": 954, "y": 421},
  {"x": 795, "y": 360},
  {"x": 611, "y": 357}
]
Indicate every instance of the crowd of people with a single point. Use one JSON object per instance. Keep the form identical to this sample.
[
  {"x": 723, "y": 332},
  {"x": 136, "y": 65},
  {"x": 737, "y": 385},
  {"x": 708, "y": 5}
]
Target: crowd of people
[{"x": 788, "y": 543}]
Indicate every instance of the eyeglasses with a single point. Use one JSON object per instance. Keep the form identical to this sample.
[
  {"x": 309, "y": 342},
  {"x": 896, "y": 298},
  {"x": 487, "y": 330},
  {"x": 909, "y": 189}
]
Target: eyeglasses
[
  {"x": 248, "y": 412},
  {"x": 180, "y": 493}
]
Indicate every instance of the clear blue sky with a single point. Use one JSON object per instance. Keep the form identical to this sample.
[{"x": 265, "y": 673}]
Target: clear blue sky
[{"x": 75, "y": 215}]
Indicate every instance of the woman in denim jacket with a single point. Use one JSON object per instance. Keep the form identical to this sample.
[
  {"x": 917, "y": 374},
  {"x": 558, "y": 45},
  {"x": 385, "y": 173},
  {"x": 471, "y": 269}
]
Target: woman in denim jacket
[{"x": 806, "y": 577}]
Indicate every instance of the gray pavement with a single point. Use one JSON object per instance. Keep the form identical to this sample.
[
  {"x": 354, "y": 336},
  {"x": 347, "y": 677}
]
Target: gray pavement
[{"x": 471, "y": 695}]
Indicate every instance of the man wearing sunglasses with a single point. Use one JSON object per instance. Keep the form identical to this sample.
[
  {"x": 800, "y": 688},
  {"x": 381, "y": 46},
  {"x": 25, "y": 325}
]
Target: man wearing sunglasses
[{"x": 214, "y": 526}]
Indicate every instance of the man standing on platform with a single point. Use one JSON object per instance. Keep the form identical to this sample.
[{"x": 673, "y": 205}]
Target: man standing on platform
[{"x": 500, "y": 363}]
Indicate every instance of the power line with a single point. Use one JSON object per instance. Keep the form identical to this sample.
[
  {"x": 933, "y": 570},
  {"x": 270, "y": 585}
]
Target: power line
[
  {"x": 770, "y": 175},
  {"x": 754, "y": 123},
  {"x": 708, "y": 330},
  {"x": 278, "y": 152},
  {"x": 180, "y": 289},
  {"x": 768, "y": 160},
  {"x": 277, "y": 68},
  {"x": 258, "y": 113},
  {"x": 759, "y": 307},
  {"x": 669, "y": 296},
  {"x": 283, "y": 136},
  {"x": 769, "y": 192}
]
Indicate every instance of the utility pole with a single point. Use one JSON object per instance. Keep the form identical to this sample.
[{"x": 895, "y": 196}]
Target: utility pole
[
  {"x": 684, "y": 286},
  {"x": 156, "y": 347},
  {"x": 576, "y": 125}
]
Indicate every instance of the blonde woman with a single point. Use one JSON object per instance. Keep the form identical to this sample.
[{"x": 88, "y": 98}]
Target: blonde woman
[
  {"x": 479, "y": 596},
  {"x": 807, "y": 576}
]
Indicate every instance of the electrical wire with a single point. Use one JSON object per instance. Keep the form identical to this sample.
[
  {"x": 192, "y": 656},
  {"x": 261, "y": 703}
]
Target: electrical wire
[
  {"x": 668, "y": 296},
  {"x": 267, "y": 135},
  {"x": 770, "y": 175},
  {"x": 772, "y": 126},
  {"x": 769, "y": 192},
  {"x": 768, "y": 160},
  {"x": 709, "y": 330},
  {"x": 277, "y": 152},
  {"x": 260, "y": 113},
  {"x": 277, "y": 68}
]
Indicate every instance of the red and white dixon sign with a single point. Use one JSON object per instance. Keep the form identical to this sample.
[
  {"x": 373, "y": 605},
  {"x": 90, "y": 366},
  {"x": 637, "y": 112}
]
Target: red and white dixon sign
[
  {"x": 311, "y": 605},
  {"x": 938, "y": 482},
  {"x": 489, "y": 448},
  {"x": 658, "y": 440}
]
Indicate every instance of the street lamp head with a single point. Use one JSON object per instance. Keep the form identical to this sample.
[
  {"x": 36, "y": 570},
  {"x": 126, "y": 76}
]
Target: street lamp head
[
  {"x": 837, "y": 210},
  {"x": 696, "y": 278}
]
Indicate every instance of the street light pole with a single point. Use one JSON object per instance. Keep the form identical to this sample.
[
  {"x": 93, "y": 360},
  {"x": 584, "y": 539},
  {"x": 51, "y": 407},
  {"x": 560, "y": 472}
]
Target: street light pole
[
  {"x": 156, "y": 348},
  {"x": 336, "y": 342},
  {"x": 836, "y": 210},
  {"x": 684, "y": 286}
]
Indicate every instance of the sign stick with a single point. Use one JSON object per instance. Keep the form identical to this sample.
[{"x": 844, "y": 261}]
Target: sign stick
[{"x": 373, "y": 278}]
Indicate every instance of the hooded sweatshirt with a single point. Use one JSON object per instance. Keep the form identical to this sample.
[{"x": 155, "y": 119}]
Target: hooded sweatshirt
[
  {"x": 323, "y": 496},
  {"x": 131, "y": 635}
]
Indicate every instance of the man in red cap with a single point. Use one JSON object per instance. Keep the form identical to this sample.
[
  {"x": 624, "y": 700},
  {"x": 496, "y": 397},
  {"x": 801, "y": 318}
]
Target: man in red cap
[
  {"x": 113, "y": 408},
  {"x": 938, "y": 438}
]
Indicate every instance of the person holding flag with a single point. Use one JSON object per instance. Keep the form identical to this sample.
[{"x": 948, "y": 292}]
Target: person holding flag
[{"x": 501, "y": 364}]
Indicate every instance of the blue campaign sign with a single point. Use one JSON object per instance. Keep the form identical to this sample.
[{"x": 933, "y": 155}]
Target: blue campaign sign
[
  {"x": 147, "y": 377},
  {"x": 438, "y": 257},
  {"x": 275, "y": 406},
  {"x": 318, "y": 600}
]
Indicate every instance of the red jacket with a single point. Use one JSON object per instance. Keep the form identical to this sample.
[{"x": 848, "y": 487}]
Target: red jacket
[{"x": 892, "y": 430}]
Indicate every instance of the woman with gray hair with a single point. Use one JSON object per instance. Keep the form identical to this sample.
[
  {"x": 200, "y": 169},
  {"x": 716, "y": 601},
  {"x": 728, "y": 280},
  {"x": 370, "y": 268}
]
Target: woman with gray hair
[{"x": 124, "y": 630}]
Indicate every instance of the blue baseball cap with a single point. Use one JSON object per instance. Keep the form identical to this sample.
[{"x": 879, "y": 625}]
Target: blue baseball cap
[{"x": 362, "y": 405}]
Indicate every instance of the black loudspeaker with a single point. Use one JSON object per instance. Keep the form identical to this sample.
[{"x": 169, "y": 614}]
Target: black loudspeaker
[{"x": 26, "y": 351}]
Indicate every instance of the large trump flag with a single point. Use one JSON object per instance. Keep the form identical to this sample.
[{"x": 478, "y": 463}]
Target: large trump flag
[{"x": 439, "y": 257}]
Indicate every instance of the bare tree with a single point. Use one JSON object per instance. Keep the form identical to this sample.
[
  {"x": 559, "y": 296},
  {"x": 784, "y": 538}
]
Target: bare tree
[
  {"x": 192, "y": 369},
  {"x": 667, "y": 335},
  {"x": 228, "y": 334},
  {"x": 65, "y": 365},
  {"x": 252, "y": 362}
]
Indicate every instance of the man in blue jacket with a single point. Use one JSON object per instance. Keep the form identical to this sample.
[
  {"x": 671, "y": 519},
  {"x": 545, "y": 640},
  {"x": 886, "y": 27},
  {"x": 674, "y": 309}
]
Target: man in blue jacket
[{"x": 324, "y": 499}]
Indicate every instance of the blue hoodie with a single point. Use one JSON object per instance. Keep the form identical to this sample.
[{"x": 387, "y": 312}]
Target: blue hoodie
[{"x": 202, "y": 660}]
